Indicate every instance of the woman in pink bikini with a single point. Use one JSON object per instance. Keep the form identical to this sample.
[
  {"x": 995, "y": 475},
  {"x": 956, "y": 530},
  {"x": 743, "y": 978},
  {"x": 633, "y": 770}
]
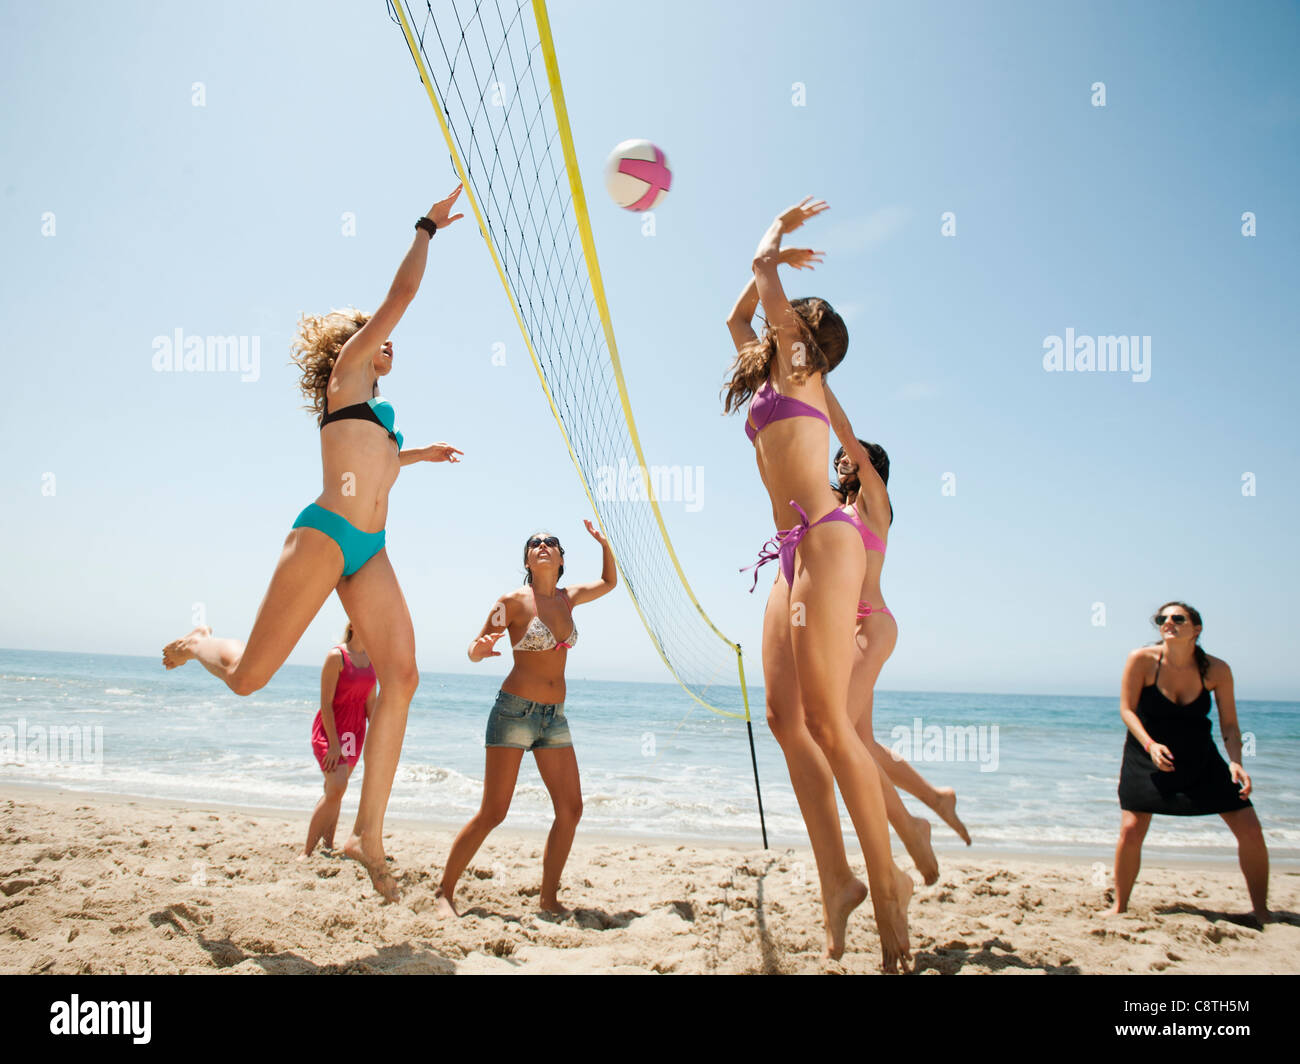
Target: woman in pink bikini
[
  {"x": 347, "y": 699},
  {"x": 864, "y": 495},
  {"x": 529, "y": 710},
  {"x": 808, "y": 649}
]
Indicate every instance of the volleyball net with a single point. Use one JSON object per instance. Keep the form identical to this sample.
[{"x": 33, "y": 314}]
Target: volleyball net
[{"x": 490, "y": 71}]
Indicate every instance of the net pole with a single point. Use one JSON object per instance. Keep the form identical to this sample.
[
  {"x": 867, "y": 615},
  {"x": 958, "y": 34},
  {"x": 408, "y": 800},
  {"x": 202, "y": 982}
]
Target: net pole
[{"x": 753, "y": 755}]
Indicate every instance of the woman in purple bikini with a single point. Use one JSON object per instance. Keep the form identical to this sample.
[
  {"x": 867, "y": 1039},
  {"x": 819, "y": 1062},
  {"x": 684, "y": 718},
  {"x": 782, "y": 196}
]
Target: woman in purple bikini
[
  {"x": 808, "y": 647},
  {"x": 529, "y": 710}
]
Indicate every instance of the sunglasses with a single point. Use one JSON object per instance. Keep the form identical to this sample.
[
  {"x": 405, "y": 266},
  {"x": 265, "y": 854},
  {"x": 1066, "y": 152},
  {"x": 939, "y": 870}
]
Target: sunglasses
[
  {"x": 538, "y": 541},
  {"x": 1177, "y": 618}
]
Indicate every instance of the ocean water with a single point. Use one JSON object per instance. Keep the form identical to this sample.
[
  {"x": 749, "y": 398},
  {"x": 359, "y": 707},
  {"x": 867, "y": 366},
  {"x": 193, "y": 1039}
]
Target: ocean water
[{"x": 1033, "y": 774}]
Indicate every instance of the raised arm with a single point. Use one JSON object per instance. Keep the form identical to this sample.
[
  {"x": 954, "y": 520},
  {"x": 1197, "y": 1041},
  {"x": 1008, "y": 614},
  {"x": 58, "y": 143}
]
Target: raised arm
[
  {"x": 361, "y": 348},
  {"x": 497, "y": 624},
  {"x": 742, "y": 314},
  {"x": 739, "y": 321},
  {"x": 579, "y": 593},
  {"x": 873, "y": 489},
  {"x": 776, "y": 306}
]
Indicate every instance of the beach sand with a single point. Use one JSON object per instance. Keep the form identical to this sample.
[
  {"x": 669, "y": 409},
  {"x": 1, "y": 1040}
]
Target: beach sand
[{"x": 96, "y": 884}]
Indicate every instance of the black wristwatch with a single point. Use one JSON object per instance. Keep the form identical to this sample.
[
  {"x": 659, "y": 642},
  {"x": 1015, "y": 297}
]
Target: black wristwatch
[{"x": 428, "y": 225}]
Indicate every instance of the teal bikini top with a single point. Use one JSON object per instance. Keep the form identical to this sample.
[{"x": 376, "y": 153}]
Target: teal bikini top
[{"x": 378, "y": 410}]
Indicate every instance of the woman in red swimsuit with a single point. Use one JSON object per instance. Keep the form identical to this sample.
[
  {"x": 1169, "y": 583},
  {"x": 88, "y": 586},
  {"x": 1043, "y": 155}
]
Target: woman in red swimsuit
[
  {"x": 808, "y": 644},
  {"x": 529, "y": 710},
  {"x": 347, "y": 699}
]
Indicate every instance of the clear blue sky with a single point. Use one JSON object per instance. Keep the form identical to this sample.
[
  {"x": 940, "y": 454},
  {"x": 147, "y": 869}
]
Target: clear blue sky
[{"x": 1072, "y": 488}]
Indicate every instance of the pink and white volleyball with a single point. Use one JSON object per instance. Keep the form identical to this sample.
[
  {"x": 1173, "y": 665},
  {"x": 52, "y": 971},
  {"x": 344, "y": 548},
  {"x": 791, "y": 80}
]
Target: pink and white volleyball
[{"x": 637, "y": 175}]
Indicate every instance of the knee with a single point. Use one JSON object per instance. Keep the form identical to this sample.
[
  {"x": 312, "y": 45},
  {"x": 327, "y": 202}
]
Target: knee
[
  {"x": 1132, "y": 832},
  {"x": 491, "y": 816},
  {"x": 334, "y": 790},
  {"x": 568, "y": 813},
  {"x": 1251, "y": 834},
  {"x": 401, "y": 680},
  {"x": 244, "y": 684},
  {"x": 824, "y": 733},
  {"x": 780, "y": 720}
]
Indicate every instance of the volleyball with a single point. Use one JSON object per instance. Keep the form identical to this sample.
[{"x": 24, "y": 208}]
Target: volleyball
[{"x": 637, "y": 175}]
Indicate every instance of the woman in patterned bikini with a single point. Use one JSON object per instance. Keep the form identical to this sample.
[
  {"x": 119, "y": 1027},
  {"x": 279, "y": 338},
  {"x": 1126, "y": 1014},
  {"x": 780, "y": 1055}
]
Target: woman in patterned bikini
[{"x": 529, "y": 710}]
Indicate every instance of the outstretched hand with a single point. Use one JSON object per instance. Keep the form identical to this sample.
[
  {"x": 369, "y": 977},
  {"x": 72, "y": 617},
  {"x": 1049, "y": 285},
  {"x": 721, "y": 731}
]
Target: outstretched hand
[
  {"x": 801, "y": 258},
  {"x": 596, "y": 533},
  {"x": 441, "y": 452},
  {"x": 439, "y": 212},
  {"x": 793, "y": 217},
  {"x": 482, "y": 646}
]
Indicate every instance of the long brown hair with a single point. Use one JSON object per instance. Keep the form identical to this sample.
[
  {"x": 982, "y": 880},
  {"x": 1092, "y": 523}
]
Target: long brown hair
[
  {"x": 1202, "y": 660},
  {"x": 823, "y": 334},
  {"x": 316, "y": 348}
]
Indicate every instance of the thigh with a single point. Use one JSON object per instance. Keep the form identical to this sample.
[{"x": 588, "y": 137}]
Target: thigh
[
  {"x": 310, "y": 566},
  {"x": 780, "y": 681},
  {"x": 876, "y": 637},
  {"x": 377, "y": 609},
  {"x": 500, "y": 773},
  {"x": 1243, "y": 822},
  {"x": 559, "y": 772},
  {"x": 824, "y": 598}
]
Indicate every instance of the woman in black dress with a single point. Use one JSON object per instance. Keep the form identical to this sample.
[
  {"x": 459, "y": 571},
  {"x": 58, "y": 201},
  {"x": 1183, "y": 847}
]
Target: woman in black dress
[{"x": 1171, "y": 764}]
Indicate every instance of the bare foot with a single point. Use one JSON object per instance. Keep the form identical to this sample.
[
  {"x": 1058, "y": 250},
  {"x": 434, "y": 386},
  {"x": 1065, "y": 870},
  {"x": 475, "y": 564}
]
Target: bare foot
[
  {"x": 376, "y": 865},
  {"x": 891, "y": 923},
  {"x": 443, "y": 906},
  {"x": 922, "y": 853},
  {"x": 553, "y": 906},
  {"x": 837, "y": 910},
  {"x": 304, "y": 855},
  {"x": 946, "y": 807},
  {"x": 179, "y": 651}
]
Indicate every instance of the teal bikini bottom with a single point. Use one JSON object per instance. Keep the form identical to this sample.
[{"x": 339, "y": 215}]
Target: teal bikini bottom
[{"x": 358, "y": 547}]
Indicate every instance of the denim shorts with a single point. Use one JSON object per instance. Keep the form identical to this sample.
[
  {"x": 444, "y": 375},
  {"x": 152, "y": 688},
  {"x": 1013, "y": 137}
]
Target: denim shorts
[{"x": 524, "y": 725}]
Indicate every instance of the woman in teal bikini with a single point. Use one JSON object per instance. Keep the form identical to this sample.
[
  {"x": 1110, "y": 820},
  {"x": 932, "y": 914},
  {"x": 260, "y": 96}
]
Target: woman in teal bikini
[
  {"x": 529, "y": 710},
  {"x": 337, "y": 542}
]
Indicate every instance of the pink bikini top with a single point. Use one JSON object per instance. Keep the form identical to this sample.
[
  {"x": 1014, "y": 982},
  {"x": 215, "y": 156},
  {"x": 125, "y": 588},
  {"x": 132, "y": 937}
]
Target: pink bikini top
[
  {"x": 769, "y": 405},
  {"x": 870, "y": 541}
]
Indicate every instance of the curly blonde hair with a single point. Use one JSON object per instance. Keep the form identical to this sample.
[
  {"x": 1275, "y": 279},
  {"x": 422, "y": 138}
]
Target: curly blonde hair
[
  {"x": 316, "y": 348},
  {"x": 825, "y": 337}
]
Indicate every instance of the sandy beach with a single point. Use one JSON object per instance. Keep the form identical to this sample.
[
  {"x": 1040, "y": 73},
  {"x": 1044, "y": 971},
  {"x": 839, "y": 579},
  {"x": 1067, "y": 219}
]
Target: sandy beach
[{"x": 122, "y": 885}]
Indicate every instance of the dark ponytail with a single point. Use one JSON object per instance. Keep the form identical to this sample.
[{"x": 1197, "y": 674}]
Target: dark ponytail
[
  {"x": 879, "y": 459},
  {"x": 1202, "y": 659}
]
